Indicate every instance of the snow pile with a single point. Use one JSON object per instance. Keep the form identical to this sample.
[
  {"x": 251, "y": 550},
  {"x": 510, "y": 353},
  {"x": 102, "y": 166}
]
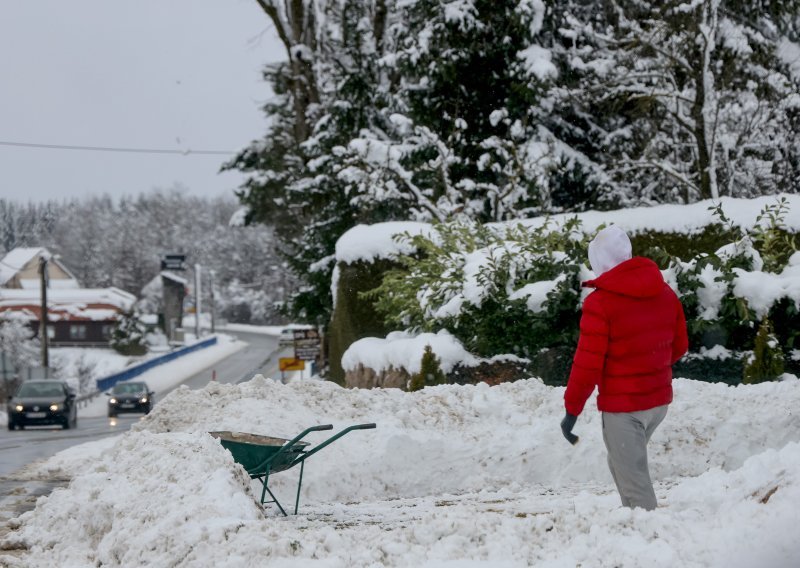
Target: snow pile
[
  {"x": 453, "y": 475},
  {"x": 149, "y": 498}
]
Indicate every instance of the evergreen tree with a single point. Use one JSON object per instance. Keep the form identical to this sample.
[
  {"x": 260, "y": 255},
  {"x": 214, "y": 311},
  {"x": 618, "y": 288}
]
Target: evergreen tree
[
  {"x": 430, "y": 372},
  {"x": 766, "y": 363},
  {"x": 683, "y": 101},
  {"x": 127, "y": 337}
]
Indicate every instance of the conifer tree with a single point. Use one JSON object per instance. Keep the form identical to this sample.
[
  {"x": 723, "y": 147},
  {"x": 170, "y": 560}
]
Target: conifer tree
[
  {"x": 127, "y": 337},
  {"x": 766, "y": 363},
  {"x": 430, "y": 372}
]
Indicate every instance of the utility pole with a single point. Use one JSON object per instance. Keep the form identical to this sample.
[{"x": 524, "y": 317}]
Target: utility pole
[
  {"x": 213, "y": 304},
  {"x": 197, "y": 301},
  {"x": 43, "y": 339}
]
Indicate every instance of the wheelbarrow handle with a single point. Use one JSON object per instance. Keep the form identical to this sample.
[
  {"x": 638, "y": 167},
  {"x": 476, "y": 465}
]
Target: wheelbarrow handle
[{"x": 330, "y": 440}]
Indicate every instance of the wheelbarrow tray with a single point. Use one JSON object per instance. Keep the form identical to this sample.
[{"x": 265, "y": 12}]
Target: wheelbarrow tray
[
  {"x": 262, "y": 456},
  {"x": 252, "y": 450}
]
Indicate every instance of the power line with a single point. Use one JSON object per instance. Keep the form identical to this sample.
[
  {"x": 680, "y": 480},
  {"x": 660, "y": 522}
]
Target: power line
[{"x": 117, "y": 149}]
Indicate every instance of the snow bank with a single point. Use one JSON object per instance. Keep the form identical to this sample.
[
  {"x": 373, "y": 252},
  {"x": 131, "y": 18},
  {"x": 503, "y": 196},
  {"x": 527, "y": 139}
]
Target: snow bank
[
  {"x": 452, "y": 476},
  {"x": 150, "y": 499}
]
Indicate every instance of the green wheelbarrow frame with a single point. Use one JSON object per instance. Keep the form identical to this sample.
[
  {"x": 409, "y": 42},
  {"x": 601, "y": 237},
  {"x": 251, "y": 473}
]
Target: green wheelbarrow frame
[{"x": 261, "y": 456}]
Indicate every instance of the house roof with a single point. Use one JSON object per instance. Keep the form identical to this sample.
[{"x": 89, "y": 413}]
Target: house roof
[
  {"x": 16, "y": 259},
  {"x": 82, "y": 304}
]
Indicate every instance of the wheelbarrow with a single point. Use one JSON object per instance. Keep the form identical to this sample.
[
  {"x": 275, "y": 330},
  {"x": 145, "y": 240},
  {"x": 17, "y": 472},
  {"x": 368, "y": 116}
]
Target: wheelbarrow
[{"x": 261, "y": 456}]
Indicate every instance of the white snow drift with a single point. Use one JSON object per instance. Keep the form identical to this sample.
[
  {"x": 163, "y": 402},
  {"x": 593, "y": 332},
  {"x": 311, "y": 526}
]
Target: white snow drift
[{"x": 452, "y": 476}]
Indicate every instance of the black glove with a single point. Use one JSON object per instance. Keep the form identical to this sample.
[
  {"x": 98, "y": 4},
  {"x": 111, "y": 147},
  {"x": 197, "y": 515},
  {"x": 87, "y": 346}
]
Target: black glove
[{"x": 567, "y": 424}]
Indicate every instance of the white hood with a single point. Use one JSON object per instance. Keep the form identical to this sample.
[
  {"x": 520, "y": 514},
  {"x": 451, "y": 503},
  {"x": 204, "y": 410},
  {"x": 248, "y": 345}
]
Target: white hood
[{"x": 610, "y": 247}]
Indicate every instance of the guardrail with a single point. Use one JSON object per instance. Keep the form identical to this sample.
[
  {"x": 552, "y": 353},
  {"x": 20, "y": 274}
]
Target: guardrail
[{"x": 107, "y": 382}]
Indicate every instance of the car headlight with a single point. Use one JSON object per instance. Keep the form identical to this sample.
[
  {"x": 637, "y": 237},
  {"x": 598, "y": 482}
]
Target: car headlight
[
  {"x": 54, "y": 407},
  {"x": 144, "y": 399},
  {"x": 19, "y": 408},
  {"x": 112, "y": 400}
]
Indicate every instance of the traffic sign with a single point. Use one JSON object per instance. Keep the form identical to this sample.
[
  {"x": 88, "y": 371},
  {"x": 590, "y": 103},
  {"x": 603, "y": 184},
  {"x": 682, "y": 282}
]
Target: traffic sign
[
  {"x": 291, "y": 364},
  {"x": 307, "y": 344},
  {"x": 173, "y": 262}
]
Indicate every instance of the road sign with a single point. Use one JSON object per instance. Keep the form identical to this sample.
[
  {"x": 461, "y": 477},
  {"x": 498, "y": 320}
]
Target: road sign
[
  {"x": 291, "y": 364},
  {"x": 307, "y": 344},
  {"x": 173, "y": 262}
]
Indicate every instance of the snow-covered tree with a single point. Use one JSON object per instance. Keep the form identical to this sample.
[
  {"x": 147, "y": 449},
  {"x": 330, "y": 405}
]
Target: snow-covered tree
[
  {"x": 20, "y": 350},
  {"x": 18, "y": 343},
  {"x": 684, "y": 100},
  {"x": 127, "y": 337}
]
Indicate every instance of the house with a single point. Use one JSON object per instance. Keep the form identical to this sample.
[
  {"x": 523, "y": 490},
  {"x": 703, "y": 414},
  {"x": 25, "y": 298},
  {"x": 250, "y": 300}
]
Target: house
[
  {"x": 76, "y": 316},
  {"x": 20, "y": 269}
]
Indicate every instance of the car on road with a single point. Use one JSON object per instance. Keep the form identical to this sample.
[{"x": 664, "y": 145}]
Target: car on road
[
  {"x": 41, "y": 403},
  {"x": 130, "y": 397}
]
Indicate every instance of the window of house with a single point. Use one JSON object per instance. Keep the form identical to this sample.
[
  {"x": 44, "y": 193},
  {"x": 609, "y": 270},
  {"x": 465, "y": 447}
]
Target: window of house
[
  {"x": 105, "y": 331},
  {"x": 77, "y": 331}
]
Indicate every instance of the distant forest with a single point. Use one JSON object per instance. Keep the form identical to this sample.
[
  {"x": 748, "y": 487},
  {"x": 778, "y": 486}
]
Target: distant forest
[{"x": 119, "y": 242}]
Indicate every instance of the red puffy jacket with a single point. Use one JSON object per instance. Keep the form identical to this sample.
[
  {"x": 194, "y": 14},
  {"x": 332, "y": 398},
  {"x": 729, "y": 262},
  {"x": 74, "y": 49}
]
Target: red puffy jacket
[{"x": 632, "y": 331}]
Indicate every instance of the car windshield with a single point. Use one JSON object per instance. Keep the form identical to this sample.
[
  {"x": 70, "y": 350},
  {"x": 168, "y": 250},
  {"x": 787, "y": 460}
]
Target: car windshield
[
  {"x": 130, "y": 388},
  {"x": 41, "y": 390}
]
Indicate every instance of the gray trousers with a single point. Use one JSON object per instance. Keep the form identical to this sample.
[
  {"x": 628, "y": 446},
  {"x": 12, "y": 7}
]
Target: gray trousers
[{"x": 626, "y": 435}]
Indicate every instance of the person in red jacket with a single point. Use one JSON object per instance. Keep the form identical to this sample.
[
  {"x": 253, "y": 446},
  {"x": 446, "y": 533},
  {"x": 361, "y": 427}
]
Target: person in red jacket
[{"x": 631, "y": 333}]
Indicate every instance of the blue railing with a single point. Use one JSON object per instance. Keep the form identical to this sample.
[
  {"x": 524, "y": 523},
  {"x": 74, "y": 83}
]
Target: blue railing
[{"x": 107, "y": 382}]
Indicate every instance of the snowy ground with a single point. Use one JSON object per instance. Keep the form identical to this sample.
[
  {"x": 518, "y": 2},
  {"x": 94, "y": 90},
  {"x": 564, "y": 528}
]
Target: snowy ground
[{"x": 452, "y": 476}]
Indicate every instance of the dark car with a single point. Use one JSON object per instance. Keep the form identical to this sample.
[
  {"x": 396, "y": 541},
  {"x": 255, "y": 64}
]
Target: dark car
[
  {"x": 44, "y": 402},
  {"x": 130, "y": 397}
]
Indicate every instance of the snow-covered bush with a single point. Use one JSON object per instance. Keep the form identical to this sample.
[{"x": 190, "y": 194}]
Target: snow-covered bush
[
  {"x": 19, "y": 348},
  {"x": 497, "y": 288},
  {"x": 728, "y": 293},
  {"x": 766, "y": 363},
  {"x": 505, "y": 288},
  {"x": 128, "y": 335},
  {"x": 430, "y": 372}
]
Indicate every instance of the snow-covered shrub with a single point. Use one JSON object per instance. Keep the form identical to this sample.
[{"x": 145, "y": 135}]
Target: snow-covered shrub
[
  {"x": 726, "y": 294},
  {"x": 128, "y": 337},
  {"x": 766, "y": 363},
  {"x": 430, "y": 372},
  {"x": 20, "y": 350},
  {"x": 498, "y": 289}
]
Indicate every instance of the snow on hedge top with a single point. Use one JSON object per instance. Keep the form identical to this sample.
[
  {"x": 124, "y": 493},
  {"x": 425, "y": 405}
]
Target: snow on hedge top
[
  {"x": 401, "y": 350},
  {"x": 369, "y": 242}
]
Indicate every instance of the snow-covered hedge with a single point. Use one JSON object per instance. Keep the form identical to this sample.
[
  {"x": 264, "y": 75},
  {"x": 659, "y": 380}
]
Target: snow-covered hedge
[{"x": 515, "y": 287}]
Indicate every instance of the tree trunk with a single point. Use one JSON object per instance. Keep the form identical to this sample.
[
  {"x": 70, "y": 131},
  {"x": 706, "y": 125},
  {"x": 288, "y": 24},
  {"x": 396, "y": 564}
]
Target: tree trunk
[
  {"x": 704, "y": 107},
  {"x": 296, "y": 29}
]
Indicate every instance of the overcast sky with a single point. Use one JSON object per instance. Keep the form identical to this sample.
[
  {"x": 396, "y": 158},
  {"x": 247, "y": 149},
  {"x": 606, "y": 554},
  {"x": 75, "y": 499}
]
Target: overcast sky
[{"x": 161, "y": 74}]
